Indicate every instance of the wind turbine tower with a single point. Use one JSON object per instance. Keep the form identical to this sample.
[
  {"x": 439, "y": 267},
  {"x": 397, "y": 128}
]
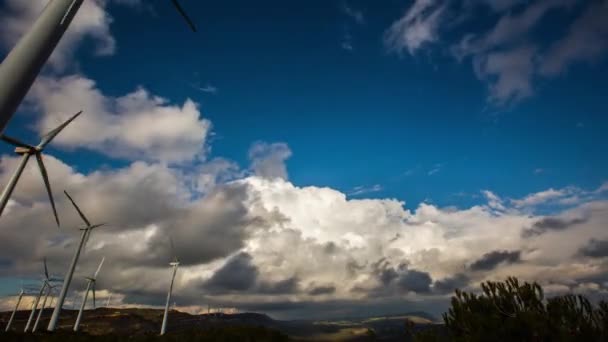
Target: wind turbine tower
[
  {"x": 86, "y": 232},
  {"x": 90, "y": 286},
  {"x": 26, "y": 151},
  {"x": 49, "y": 289},
  {"x": 24, "y": 62},
  {"x": 45, "y": 284},
  {"x": 10, "y": 321},
  {"x": 174, "y": 265}
]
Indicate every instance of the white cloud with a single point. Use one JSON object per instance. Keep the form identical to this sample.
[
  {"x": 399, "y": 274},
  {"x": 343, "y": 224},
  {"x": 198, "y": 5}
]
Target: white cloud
[
  {"x": 268, "y": 160},
  {"x": 586, "y": 41},
  {"x": 419, "y": 26},
  {"x": 353, "y": 13},
  {"x": 136, "y": 125},
  {"x": 360, "y": 190},
  {"x": 435, "y": 169},
  {"x": 509, "y": 56},
  {"x": 508, "y": 74},
  {"x": 208, "y": 88},
  {"x": 299, "y": 241}
]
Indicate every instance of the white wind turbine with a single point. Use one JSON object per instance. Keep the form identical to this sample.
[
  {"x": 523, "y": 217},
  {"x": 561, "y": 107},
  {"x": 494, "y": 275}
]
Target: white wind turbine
[
  {"x": 45, "y": 284},
  {"x": 10, "y": 321},
  {"x": 90, "y": 286},
  {"x": 108, "y": 300},
  {"x": 49, "y": 289},
  {"x": 26, "y": 151},
  {"x": 86, "y": 232},
  {"x": 174, "y": 265}
]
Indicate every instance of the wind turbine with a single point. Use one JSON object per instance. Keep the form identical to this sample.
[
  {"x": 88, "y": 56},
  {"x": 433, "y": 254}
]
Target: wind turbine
[
  {"x": 86, "y": 232},
  {"x": 108, "y": 300},
  {"x": 90, "y": 286},
  {"x": 45, "y": 284},
  {"x": 49, "y": 289},
  {"x": 173, "y": 264},
  {"x": 26, "y": 151},
  {"x": 10, "y": 321},
  {"x": 24, "y": 62}
]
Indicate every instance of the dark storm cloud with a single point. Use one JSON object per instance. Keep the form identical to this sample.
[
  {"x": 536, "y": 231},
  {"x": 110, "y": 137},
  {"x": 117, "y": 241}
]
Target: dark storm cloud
[
  {"x": 395, "y": 279},
  {"x": 415, "y": 281},
  {"x": 551, "y": 224},
  {"x": 212, "y": 228},
  {"x": 238, "y": 274},
  {"x": 384, "y": 271},
  {"x": 322, "y": 290},
  {"x": 447, "y": 285},
  {"x": 287, "y": 286},
  {"x": 489, "y": 261},
  {"x": 595, "y": 249}
]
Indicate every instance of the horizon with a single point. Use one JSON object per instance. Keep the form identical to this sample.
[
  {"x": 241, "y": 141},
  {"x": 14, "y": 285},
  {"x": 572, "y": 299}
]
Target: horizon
[{"x": 342, "y": 158}]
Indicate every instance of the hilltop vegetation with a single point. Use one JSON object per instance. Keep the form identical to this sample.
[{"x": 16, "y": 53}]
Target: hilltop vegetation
[{"x": 515, "y": 311}]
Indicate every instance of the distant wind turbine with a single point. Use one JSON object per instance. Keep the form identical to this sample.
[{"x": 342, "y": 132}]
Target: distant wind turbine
[
  {"x": 174, "y": 265},
  {"x": 10, "y": 321},
  {"x": 49, "y": 289},
  {"x": 23, "y": 63},
  {"x": 108, "y": 301},
  {"x": 45, "y": 284},
  {"x": 26, "y": 151},
  {"x": 90, "y": 286},
  {"x": 86, "y": 232}
]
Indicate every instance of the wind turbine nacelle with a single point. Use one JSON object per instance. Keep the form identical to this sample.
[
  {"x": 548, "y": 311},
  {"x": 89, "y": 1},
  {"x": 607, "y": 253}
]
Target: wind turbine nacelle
[
  {"x": 22, "y": 150},
  {"x": 175, "y": 263}
]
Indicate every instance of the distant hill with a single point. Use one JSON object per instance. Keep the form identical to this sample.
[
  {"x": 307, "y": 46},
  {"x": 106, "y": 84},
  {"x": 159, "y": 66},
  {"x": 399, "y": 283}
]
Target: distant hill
[{"x": 146, "y": 323}]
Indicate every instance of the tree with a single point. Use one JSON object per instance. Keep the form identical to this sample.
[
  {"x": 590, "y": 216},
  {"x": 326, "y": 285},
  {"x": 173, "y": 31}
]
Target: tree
[{"x": 512, "y": 311}]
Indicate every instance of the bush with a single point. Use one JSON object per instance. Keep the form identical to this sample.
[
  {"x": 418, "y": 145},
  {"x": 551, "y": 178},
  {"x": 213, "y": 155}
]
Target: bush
[{"x": 512, "y": 311}]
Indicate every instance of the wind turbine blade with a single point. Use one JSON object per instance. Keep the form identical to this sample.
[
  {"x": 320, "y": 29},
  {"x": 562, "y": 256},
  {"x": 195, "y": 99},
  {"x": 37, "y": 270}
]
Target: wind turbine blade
[
  {"x": 78, "y": 209},
  {"x": 15, "y": 142},
  {"x": 99, "y": 268},
  {"x": 47, "y": 138},
  {"x": 47, "y": 184},
  {"x": 184, "y": 15},
  {"x": 46, "y": 270},
  {"x": 86, "y": 240}
]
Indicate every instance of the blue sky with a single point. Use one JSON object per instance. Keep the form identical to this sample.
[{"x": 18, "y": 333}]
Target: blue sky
[
  {"x": 364, "y": 116},
  {"x": 421, "y": 101}
]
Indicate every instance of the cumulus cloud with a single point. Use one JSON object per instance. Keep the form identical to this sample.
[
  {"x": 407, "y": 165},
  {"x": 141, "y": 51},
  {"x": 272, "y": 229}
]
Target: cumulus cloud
[
  {"x": 138, "y": 125},
  {"x": 268, "y": 160},
  {"x": 267, "y": 244}
]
